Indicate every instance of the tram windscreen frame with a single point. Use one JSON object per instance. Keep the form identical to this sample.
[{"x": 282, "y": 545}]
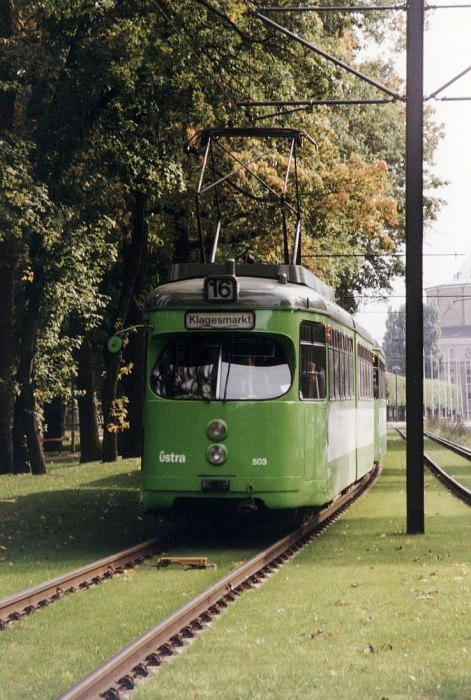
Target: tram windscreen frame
[{"x": 229, "y": 367}]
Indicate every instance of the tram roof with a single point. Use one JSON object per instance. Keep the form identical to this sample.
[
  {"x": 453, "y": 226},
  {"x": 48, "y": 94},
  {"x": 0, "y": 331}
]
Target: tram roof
[{"x": 260, "y": 286}]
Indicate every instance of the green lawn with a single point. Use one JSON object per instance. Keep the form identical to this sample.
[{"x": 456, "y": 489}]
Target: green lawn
[
  {"x": 365, "y": 612},
  {"x": 51, "y": 524},
  {"x": 75, "y": 514},
  {"x": 457, "y": 467}
]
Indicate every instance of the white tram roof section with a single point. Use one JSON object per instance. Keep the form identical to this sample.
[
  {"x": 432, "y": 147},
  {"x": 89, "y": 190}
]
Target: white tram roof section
[{"x": 260, "y": 287}]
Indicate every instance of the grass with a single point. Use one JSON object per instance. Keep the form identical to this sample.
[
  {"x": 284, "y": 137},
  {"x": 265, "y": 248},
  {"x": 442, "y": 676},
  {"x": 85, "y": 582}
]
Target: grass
[
  {"x": 43, "y": 655},
  {"x": 367, "y": 611},
  {"x": 55, "y": 523},
  {"x": 457, "y": 467},
  {"x": 455, "y": 431},
  {"x": 75, "y": 514}
]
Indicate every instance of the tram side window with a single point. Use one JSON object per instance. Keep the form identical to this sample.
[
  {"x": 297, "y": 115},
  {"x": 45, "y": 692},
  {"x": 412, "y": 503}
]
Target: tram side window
[
  {"x": 379, "y": 379},
  {"x": 365, "y": 372},
  {"x": 333, "y": 384},
  {"x": 382, "y": 380},
  {"x": 382, "y": 391},
  {"x": 341, "y": 366},
  {"x": 313, "y": 361},
  {"x": 350, "y": 374}
]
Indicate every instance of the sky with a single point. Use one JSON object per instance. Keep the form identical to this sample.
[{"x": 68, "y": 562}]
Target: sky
[{"x": 447, "y": 52}]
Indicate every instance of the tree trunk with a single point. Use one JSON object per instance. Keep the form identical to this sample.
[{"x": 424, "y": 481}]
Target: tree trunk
[
  {"x": 28, "y": 451},
  {"x": 24, "y": 427},
  {"x": 25, "y": 417},
  {"x": 132, "y": 255},
  {"x": 21, "y": 461},
  {"x": 7, "y": 356},
  {"x": 90, "y": 447},
  {"x": 6, "y": 425},
  {"x": 35, "y": 448},
  {"x": 110, "y": 420},
  {"x": 133, "y": 386},
  {"x": 7, "y": 268}
]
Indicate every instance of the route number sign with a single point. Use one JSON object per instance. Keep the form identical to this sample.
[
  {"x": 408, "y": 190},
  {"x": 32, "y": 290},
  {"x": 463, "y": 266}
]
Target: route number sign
[{"x": 221, "y": 289}]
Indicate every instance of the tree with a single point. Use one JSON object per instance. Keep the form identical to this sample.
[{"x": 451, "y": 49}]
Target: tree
[
  {"x": 394, "y": 343},
  {"x": 432, "y": 332},
  {"x": 78, "y": 153},
  {"x": 97, "y": 101}
]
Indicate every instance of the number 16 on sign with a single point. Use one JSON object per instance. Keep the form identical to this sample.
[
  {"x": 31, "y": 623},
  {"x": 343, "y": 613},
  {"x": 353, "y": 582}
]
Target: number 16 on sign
[{"x": 221, "y": 289}]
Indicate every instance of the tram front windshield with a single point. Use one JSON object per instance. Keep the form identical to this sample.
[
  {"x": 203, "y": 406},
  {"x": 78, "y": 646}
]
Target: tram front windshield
[{"x": 226, "y": 368}]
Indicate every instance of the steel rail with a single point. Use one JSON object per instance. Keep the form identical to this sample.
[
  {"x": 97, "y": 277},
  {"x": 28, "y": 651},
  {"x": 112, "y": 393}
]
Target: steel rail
[
  {"x": 119, "y": 673},
  {"x": 459, "y": 449},
  {"x": 454, "y": 486},
  {"x": 448, "y": 481},
  {"x": 20, "y": 604}
]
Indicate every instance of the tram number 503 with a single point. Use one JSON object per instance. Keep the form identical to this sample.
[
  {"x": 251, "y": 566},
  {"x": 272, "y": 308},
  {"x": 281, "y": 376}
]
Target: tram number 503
[
  {"x": 259, "y": 462},
  {"x": 223, "y": 288}
]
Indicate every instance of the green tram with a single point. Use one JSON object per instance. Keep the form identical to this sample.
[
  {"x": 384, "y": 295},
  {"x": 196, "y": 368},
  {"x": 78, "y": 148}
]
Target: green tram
[{"x": 260, "y": 391}]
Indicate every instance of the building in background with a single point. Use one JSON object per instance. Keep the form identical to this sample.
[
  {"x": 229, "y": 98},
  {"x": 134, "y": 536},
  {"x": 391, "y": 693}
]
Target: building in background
[{"x": 454, "y": 305}]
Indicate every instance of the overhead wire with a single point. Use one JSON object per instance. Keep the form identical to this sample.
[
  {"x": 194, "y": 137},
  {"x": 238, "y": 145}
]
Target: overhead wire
[
  {"x": 378, "y": 255},
  {"x": 233, "y": 104}
]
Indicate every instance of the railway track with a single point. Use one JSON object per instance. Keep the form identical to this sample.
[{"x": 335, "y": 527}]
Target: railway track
[
  {"x": 21, "y": 604},
  {"x": 459, "y": 449},
  {"x": 451, "y": 484},
  {"x": 120, "y": 674},
  {"x": 454, "y": 486}
]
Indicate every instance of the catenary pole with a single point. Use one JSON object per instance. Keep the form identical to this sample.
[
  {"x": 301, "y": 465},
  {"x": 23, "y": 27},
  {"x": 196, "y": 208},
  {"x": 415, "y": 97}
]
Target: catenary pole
[
  {"x": 414, "y": 271},
  {"x": 414, "y": 228}
]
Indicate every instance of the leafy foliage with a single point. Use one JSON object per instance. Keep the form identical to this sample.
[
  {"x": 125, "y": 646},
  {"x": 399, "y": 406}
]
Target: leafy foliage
[{"x": 105, "y": 96}]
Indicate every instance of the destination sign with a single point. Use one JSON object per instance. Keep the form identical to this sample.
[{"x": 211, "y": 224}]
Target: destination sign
[{"x": 220, "y": 320}]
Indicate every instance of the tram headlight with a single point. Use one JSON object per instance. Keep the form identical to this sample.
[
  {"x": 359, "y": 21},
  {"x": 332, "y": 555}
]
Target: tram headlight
[
  {"x": 216, "y": 430},
  {"x": 217, "y": 454}
]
